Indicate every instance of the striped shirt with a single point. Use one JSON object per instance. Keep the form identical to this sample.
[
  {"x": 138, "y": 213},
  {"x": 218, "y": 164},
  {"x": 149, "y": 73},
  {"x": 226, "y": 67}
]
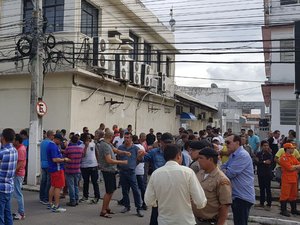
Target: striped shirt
[
  {"x": 75, "y": 153},
  {"x": 8, "y": 164}
]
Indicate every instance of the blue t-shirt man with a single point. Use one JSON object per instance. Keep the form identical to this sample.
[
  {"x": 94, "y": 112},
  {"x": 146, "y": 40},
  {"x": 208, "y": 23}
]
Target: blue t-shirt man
[
  {"x": 53, "y": 152},
  {"x": 43, "y": 153}
]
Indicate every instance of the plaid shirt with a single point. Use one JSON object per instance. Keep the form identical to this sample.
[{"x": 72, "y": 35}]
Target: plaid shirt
[{"x": 8, "y": 164}]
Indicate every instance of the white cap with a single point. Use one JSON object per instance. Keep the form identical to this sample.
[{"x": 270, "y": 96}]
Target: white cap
[
  {"x": 216, "y": 138},
  {"x": 77, "y": 133}
]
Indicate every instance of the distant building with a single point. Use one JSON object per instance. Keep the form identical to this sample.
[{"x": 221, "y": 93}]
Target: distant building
[
  {"x": 227, "y": 118},
  {"x": 193, "y": 113},
  {"x": 279, "y": 46}
]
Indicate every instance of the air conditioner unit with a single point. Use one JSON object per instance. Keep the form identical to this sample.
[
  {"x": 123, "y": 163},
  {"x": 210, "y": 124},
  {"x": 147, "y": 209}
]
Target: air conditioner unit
[
  {"x": 146, "y": 72},
  {"x": 148, "y": 81},
  {"x": 122, "y": 67},
  {"x": 162, "y": 86},
  {"x": 100, "y": 55},
  {"x": 135, "y": 72},
  {"x": 153, "y": 85}
]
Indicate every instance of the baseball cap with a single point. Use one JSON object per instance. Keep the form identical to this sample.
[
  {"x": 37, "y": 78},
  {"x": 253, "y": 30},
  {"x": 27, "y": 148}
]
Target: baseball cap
[
  {"x": 167, "y": 137},
  {"x": 59, "y": 136},
  {"x": 216, "y": 139},
  {"x": 208, "y": 152},
  {"x": 197, "y": 145},
  {"x": 288, "y": 145},
  {"x": 77, "y": 133}
]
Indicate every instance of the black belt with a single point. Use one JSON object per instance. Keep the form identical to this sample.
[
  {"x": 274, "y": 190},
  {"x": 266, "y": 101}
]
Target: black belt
[{"x": 207, "y": 220}]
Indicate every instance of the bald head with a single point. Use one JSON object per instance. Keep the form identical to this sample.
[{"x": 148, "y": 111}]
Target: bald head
[{"x": 108, "y": 134}]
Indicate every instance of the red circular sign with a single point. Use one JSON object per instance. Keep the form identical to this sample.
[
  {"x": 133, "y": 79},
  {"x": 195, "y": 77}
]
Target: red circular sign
[{"x": 41, "y": 108}]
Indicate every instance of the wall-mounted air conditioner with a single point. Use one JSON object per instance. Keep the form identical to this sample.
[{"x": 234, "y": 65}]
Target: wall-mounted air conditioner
[
  {"x": 122, "y": 67},
  {"x": 135, "y": 69}
]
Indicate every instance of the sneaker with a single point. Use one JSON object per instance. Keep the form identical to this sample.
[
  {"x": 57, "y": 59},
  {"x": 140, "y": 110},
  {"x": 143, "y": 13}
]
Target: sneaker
[
  {"x": 144, "y": 207},
  {"x": 139, "y": 214},
  {"x": 18, "y": 216},
  {"x": 58, "y": 209},
  {"x": 83, "y": 200},
  {"x": 44, "y": 202},
  {"x": 259, "y": 206},
  {"x": 72, "y": 204},
  {"x": 125, "y": 210},
  {"x": 94, "y": 201},
  {"x": 50, "y": 205},
  {"x": 120, "y": 202}
]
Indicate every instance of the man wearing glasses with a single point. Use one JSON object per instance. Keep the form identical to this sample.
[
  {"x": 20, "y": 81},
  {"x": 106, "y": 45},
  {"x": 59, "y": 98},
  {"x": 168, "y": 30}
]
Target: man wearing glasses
[{"x": 239, "y": 170}]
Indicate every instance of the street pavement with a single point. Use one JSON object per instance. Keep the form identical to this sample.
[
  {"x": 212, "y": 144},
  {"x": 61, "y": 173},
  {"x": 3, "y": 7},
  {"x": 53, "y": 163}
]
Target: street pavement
[{"x": 85, "y": 213}]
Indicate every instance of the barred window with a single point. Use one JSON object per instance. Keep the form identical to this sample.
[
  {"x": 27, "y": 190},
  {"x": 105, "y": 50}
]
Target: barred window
[
  {"x": 287, "y": 51},
  {"x": 288, "y": 112}
]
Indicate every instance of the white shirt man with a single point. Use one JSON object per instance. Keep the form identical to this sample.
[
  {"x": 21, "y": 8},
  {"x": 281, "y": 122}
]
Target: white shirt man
[{"x": 172, "y": 187}]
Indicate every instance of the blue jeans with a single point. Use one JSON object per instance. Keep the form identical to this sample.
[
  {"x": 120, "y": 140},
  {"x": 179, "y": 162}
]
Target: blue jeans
[
  {"x": 45, "y": 185},
  {"x": 17, "y": 194},
  {"x": 72, "y": 181},
  {"x": 128, "y": 180},
  {"x": 141, "y": 185},
  {"x": 240, "y": 210},
  {"x": 5, "y": 209}
]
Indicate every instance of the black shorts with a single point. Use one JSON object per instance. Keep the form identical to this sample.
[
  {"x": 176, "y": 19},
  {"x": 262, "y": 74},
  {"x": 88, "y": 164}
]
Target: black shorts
[{"x": 109, "y": 181}]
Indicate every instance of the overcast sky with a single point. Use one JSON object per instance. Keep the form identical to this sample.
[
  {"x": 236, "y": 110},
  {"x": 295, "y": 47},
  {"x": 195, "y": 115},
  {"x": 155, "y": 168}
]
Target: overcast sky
[{"x": 211, "y": 21}]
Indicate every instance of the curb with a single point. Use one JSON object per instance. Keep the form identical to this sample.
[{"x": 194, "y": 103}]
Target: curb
[{"x": 267, "y": 220}]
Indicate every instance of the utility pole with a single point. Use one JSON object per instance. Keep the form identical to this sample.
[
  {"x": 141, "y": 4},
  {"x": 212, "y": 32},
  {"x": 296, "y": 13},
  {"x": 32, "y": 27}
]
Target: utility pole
[{"x": 35, "y": 126}]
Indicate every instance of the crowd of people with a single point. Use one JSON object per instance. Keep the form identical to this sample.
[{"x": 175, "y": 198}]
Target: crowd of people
[{"x": 202, "y": 173}]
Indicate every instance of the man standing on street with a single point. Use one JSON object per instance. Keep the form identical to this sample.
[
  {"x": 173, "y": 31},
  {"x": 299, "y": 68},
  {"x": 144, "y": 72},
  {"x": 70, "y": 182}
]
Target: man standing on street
[
  {"x": 108, "y": 165},
  {"x": 253, "y": 141},
  {"x": 264, "y": 160},
  {"x": 75, "y": 153},
  {"x": 150, "y": 138},
  {"x": 289, "y": 185},
  {"x": 217, "y": 190},
  {"x": 172, "y": 188},
  {"x": 45, "y": 180},
  {"x": 156, "y": 159},
  {"x": 19, "y": 177},
  {"x": 239, "y": 169},
  {"x": 128, "y": 176},
  {"x": 8, "y": 164},
  {"x": 56, "y": 170}
]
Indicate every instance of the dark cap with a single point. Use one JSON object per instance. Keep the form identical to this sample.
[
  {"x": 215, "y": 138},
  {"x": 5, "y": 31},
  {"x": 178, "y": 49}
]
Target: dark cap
[
  {"x": 208, "y": 127},
  {"x": 167, "y": 137},
  {"x": 197, "y": 145},
  {"x": 59, "y": 137},
  {"x": 208, "y": 152}
]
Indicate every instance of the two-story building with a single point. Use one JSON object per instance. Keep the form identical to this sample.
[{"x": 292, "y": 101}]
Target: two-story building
[
  {"x": 278, "y": 36},
  {"x": 108, "y": 61}
]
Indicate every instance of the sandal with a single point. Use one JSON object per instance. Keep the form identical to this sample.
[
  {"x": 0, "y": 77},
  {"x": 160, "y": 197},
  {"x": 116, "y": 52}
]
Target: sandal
[
  {"x": 105, "y": 215},
  {"x": 108, "y": 211}
]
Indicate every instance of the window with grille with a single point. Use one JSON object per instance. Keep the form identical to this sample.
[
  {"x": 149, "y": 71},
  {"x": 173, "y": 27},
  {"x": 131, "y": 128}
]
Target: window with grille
[
  {"x": 287, "y": 51},
  {"x": 289, "y": 2},
  {"x": 89, "y": 19},
  {"x": 287, "y": 112},
  {"x": 147, "y": 53},
  {"x": 134, "y": 53},
  {"x": 53, "y": 13}
]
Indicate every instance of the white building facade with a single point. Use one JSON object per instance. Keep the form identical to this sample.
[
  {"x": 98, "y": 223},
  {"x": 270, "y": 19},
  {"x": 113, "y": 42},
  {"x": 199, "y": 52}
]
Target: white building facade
[
  {"x": 108, "y": 61},
  {"x": 278, "y": 36},
  {"x": 107, "y": 65}
]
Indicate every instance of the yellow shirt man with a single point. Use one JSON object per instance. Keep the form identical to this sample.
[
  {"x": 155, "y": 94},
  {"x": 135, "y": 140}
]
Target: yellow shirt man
[{"x": 281, "y": 152}]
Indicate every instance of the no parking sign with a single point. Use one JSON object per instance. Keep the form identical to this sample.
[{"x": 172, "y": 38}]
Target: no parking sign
[{"x": 41, "y": 108}]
